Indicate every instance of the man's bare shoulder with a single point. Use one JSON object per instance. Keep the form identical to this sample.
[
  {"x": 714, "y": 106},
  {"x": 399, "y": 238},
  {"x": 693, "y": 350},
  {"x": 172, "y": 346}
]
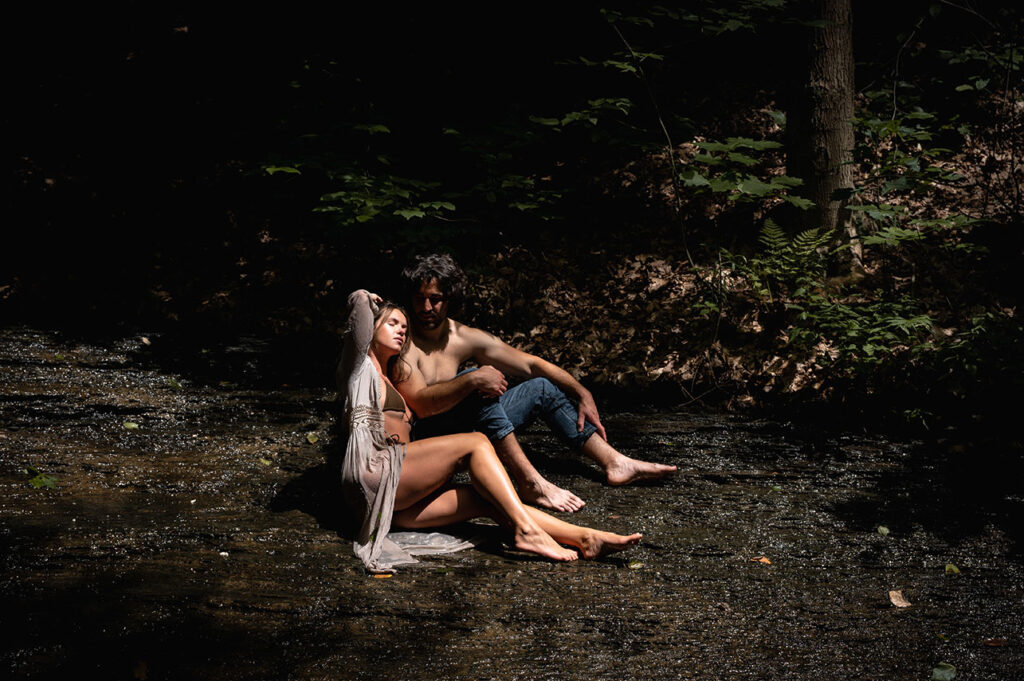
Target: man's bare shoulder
[
  {"x": 471, "y": 342},
  {"x": 470, "y": 334}
]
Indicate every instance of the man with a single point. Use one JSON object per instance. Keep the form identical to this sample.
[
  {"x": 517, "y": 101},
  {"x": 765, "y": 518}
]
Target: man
[{"x": 446, "y": 401}]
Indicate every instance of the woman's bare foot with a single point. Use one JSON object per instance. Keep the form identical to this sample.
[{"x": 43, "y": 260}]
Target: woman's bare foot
[
  {"x": 596, "y": 543},
  {"x": 537, "y": 541},
  {"x": 546, "y": 495},
  {"x": 625, "y": 470}
]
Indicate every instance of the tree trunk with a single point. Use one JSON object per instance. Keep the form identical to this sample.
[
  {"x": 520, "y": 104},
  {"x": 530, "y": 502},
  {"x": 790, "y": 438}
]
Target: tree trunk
[{"x": 820, "y": 127}]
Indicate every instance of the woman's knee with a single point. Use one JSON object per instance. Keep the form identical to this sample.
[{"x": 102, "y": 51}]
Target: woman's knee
[{"x": 479, "y": 441}]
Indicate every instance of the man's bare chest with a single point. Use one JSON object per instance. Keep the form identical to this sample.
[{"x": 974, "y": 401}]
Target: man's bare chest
[{"x": 441, "y": 364}]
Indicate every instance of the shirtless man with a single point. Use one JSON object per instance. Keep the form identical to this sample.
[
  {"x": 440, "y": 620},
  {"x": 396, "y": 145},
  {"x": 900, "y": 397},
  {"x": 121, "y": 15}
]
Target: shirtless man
[{"x": 446, "y": 401}]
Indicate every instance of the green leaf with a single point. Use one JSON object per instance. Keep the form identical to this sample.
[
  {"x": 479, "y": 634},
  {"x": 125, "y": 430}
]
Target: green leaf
[
  {"x": 40, "y": 480},
  {"x": 898, "y": 184},
  {"x": 943, "y": 671},
  {"x": 312, "y": 438},
  {"x": 410, "y": 213},
  {"x": 438, "y": 205},
  {"x": 130, "y": 425},
  {"x": 707, "y": 159},
  {"x": 742, "y": 159},
  {"x": 288, "y": 170},
  {"x": 373, "y": 128},
  {"x": 624, "y": 67},
  {"x": 952, "y": 569},
  {"x": 883, "y": 530},
  {"x": 786, "y": 181},
  {"x": 174, "y": 383},
  {"x": 752, "y": 185},
  {"x": 265, "y": 462},
  {"x": 750, "y": 143},
  {"x": 635, "y": 565},
  {"x": 721, "y": 184},
  {"x": 778, "y": 117},
  {"x": 714, "y": 146},
  {"x": 799, "y": 201},
  {"x": 691, "y": 178}
]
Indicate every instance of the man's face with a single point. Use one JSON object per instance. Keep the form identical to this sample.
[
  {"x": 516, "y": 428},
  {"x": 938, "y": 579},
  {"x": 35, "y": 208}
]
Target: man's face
[{"x": 429, "y": 305}]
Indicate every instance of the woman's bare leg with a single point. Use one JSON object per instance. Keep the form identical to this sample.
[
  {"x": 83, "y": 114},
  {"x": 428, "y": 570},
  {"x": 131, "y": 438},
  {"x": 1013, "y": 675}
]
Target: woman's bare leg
[
  {"x": 430, "y": 463},
  {"x": 591, "y": 543},
  {"x": 461, "y": 502},
  {"x": 446, "y": 506}
]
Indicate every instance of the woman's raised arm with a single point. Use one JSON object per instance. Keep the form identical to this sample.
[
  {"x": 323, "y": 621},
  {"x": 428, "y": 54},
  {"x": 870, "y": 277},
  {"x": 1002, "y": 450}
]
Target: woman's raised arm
[{"x": 362, "y": 306}]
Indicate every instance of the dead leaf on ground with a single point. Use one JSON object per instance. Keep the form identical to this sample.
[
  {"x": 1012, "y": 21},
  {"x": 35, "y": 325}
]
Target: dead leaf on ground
[
  {"x": 994, "y": 642},
  {"x": 312, "y": 438},
  {"x": 897, "y": 599},
  {"x": 761, "y": 559},
  {"x": 386, "y": 575}
]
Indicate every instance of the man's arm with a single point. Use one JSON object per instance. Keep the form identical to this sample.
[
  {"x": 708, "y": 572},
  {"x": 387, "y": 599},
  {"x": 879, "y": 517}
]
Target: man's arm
[
  {"x": 489, "y": 349},
  {"x": 435, "y": 399}
]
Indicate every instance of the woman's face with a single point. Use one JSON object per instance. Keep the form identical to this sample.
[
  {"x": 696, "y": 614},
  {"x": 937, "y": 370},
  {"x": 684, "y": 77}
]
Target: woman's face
[{"x": 390, "y": 333}]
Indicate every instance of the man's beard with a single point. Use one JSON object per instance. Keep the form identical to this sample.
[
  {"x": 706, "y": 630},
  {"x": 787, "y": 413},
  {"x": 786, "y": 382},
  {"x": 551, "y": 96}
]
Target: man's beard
[{"x": 430, "y": 323}]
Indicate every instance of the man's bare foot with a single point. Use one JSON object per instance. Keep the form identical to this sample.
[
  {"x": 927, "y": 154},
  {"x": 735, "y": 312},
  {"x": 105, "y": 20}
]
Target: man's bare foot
[
  {"x": 546, "y": 495},
  {"x": 625, "y": 470},
  {"x": 597, "y": 543},
  {"x": 537, "y": 541}
]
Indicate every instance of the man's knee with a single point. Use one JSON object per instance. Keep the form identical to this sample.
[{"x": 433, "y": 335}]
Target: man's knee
[
  {"x": 549, "y": 395},
  {"x": 492, "y": 420}
]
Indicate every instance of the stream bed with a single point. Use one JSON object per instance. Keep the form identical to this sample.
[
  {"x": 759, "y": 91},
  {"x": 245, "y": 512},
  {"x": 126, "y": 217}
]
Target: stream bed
[{"x": 186, "y": 523}]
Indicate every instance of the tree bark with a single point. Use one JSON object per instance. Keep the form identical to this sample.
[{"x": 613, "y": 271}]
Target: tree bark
[{"x": 820, "y": 127}]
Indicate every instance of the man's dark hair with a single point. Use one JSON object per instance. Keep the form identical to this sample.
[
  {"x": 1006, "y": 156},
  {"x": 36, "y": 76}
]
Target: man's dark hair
[{"x": 450, "y": 277}]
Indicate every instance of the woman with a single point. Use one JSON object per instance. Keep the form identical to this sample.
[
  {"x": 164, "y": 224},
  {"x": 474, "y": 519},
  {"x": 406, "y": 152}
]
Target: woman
[{"x": 388, "y": 479}]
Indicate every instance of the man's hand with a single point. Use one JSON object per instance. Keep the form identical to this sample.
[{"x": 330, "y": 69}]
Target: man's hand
[
  {"x": 588, "y": 412},
  {"x": 489, "y": 382}
]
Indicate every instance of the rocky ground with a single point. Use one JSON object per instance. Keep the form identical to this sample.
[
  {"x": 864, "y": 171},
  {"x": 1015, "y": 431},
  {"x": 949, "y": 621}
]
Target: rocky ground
[{"x": 172, "y": 512}]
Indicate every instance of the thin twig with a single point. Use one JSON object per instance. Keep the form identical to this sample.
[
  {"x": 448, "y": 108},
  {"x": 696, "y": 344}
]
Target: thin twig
[
  {"x": 969, "y": 11},
  {"x": 670, "y": 146},
  {"x": 896, "y": 68}
]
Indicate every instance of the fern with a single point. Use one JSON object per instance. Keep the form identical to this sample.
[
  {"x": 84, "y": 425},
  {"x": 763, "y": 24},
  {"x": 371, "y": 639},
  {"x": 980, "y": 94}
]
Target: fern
[{"x": 773, "y": 238}]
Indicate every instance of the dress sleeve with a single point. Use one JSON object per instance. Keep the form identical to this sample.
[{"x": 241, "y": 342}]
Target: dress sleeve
[{"x": 358, "y": 334}]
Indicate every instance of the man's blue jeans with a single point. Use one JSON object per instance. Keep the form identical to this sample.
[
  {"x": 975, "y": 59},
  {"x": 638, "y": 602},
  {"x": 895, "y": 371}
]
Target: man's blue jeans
[{"x": 519, "y": 406}]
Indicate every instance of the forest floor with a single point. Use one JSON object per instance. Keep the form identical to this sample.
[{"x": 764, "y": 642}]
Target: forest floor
[{"x": 184, "y": 522}]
